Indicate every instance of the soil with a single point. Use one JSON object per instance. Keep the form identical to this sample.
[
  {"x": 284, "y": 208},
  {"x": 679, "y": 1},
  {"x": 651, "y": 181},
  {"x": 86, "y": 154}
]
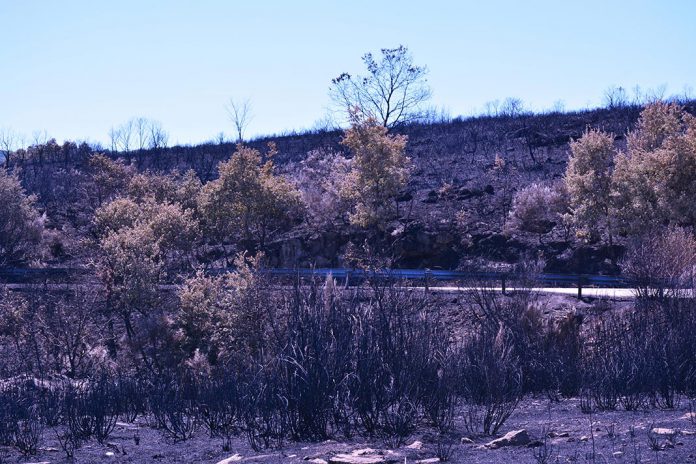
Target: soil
[{"x": 602, "y": 437}]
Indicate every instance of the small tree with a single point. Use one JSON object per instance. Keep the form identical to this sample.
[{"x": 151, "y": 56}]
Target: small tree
[
  {"x": 320, "y": 180},
  {"x": 661, "y": 263},
  {"x": 248, "y": 201},
  {"x": 654, "y": 182},
  {"x": 536, "y": 209},
  {"x": 21, "y": 226},
  {"x": 240, "y": 113},
  {"x": 392, "y": 92},
  {"x": 225, "y": 317},
  {"x": 615, "y": 97},
  {"x": 588, "y": 181},
  {"x": 109, "y": 177},
  {"x": 379, "y": 171}
]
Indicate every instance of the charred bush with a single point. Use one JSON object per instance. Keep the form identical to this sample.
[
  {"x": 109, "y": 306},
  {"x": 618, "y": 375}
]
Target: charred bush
[
  {"x": 220, "y": 408},
  {"x": 174, "y": 408},
  {"x": 491, "y": 379}
]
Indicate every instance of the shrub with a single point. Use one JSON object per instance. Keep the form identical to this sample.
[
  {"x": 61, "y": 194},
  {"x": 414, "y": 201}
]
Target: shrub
[
  {"x": 661, "y": 263},
  {"x": 21, "y": 226},
  {"x": 588, "y": 181},
  {"x": 536, "y": 209}
]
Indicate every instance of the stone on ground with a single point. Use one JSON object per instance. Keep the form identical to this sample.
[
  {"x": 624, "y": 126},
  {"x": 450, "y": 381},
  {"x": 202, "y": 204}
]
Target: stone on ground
[{"x": 514, "y": 438}]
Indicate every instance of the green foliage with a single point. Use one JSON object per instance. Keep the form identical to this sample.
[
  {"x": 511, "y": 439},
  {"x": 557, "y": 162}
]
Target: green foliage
[
  {"x": 248, "y": 201},
  {"x": 655, "y": 180},
  {"x": 588, "y": 181},
  {"x": 21, "y": 226},
  {"x": 379, "y": 172},
  {"x": 536, "y": 209},
  {"x": 224, "y": 318}
]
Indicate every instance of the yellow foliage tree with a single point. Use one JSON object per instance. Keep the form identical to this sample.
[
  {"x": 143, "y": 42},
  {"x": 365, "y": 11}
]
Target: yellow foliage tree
[
  {"x": 588, "y": 181},
  {"x": 379, "y": 171},
  {"x": 654, "y": 182},
  {"x": 248, "y": 201}
]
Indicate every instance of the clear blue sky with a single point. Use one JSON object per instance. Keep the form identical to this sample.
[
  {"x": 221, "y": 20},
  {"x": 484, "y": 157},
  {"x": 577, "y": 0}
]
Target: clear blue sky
[{"x": 75, "y": 68}]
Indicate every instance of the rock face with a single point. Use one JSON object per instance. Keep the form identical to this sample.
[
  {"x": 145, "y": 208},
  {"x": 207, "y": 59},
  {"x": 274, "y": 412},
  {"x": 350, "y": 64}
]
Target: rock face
[{"x": 514, "y": 438}]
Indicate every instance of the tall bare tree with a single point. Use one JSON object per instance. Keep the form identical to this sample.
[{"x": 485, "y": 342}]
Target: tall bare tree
[
  {"x": 8, "y": 144},
  {"x": 142, "y": 132},
  {"x": 158, "y": 136},
  {"x": 240, "y": 113},
  {"x": 392, "y": 93}
]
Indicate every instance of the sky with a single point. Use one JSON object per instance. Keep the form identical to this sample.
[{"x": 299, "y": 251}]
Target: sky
[{"x": 76, "y": 68}]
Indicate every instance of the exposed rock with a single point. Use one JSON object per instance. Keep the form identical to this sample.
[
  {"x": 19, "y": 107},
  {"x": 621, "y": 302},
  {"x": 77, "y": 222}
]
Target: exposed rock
[
  {"x": 558, "y": 435},
  {"x": 318, "y": 461},
  {"x": 584, "y": 438},
  {"x": 259, "y": 457},
  {"x": 514, "y": 438},
  {"x": 467, "y": 441},
  {"x": 664, "y": 431},
  {"x": 428, "y": 461},
  {"x": 234, "y": 458},
  {"x": 617, "y": 454},
  {"x": 689, "y": 416},
  {"x": 367, "y": 459},
  {"x": 416, "y": 445},
  {"x": 366, "y": 456},
  {"x": 364, "y": 451}
]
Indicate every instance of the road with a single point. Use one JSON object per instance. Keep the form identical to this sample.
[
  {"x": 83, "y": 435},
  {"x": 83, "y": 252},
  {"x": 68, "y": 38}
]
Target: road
[{"x": 610, "y": 293}]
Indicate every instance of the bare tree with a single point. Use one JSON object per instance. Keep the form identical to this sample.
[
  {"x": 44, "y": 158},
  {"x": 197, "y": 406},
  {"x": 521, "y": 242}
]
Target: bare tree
[
  {"x": 125, "y": 136},
  {"x": 158, "y": 136},
  {"x": 491, "y": 108},
  {"x": 114, "y": 136},
  {"x": 511, "y": 107},
  {"x": 142, "y": 132},
  {"x": 39, "y": 137},
  {"x": 615, "y": 97},
  {"x": 8, "y": 144},
  {"x": 392, "y": 92},
  {"x": 240, "y": 113}
]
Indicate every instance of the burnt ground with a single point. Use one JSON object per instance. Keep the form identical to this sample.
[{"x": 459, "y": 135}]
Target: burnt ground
[
  {"x": 571, "y": 435},
  {"x": 603, "y": 437}
]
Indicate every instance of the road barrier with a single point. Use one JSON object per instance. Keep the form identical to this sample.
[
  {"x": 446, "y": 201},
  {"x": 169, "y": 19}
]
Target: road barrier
[{"x": 353, "y": 276}]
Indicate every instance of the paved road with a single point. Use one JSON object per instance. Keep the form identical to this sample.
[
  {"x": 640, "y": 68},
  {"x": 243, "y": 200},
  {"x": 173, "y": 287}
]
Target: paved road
[{"x": 611, "y": 293}]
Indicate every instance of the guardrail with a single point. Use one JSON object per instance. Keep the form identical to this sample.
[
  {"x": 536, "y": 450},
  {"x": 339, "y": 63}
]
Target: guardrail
[{"x": 18, "y": 275}]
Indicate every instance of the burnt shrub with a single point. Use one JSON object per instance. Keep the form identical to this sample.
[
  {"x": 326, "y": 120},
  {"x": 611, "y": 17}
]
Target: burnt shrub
[
  {"x": 220, "y": 407},
  {"x": 642, "y": 357},
  {"x": 491, "y": 380},
  {"x": 316, "y": 359},
  {"x": 174, "y": 408}
]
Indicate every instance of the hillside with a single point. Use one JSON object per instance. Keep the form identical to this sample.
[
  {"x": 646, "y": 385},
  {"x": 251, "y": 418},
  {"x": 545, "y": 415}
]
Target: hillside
[{"x": 452, "y": 214}]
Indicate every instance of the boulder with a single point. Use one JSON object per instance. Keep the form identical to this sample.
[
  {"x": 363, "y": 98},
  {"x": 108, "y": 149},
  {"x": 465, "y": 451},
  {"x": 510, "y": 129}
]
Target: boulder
[{"x": 514, "y": 438}]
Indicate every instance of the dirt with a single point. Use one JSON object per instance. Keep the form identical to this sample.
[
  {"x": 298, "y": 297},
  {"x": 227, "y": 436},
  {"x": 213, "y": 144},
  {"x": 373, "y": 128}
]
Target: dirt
[{"x": 603, "y": 437}]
